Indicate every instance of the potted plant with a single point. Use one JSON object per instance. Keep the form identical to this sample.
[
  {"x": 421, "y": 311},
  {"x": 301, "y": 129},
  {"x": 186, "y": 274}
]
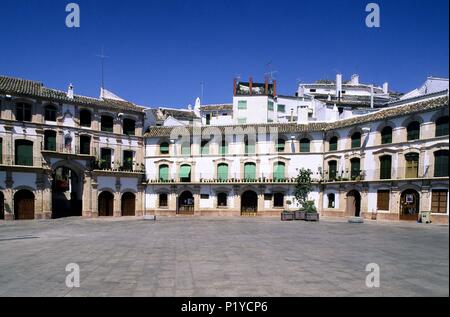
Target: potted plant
[
  {"x": 311, "y": 211},
  {"x": 287, "y": 215},
  {"x": 302, "y": 189}
]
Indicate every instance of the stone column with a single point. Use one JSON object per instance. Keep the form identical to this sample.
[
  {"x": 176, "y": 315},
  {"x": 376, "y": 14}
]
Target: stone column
[
  {"x": 9, "y": 197},
  {"x": 87, "y": 195},
  {"x": 117, "y": 199},
  {"x": 39, "y": 197},
  {"x": 196, "y": 193},
  {"x": 47, "y": 207},
  {"x": 260, "y": 192},
  {"x": 140, "y": 200},
  {"x": 94, "y": 197}
]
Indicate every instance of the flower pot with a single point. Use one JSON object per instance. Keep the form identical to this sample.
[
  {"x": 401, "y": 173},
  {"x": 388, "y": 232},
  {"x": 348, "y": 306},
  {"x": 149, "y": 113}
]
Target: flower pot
[
  {"x": 300, "y": 215},
  {"x": 312, "y": 216},
  {"x": 287, "y": 216}
]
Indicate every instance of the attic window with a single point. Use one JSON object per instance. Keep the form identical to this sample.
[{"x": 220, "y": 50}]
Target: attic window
[{"x": 312, "y": 90}]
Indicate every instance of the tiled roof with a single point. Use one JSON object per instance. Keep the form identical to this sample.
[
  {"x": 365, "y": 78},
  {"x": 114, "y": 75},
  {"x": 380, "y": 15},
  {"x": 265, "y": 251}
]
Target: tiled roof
[
  {"x": 383, "y": 114},
  {"x": 162, "y": 114},
  {"x": 33, "y": 89},
  {"x": 221, "y": 107}
]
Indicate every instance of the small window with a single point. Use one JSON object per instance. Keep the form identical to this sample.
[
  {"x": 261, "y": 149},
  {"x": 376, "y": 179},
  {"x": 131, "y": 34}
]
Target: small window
[
  {"x": 242, "y": 104},
  {"x": 332, "y": 170},
  {"x": 129, "y": 127},
  {"x": 270, "y": 106},
  {"x": 385, "y": 167},
  {"x": 439, "y": 201},
  {"x": 278, "y": 200},
  {"x": 356, "y": 140},
  {"x": 282, "y": 108},
  {"x": 107, "y": 123},
  {"x": 355, "y": 168},
  {"x": 222, "y": 200},
  {"x": 386, "y": 135},
  {"x": 334, "y": 143},
  {"x": 281, "y": 145},
  {"x": 413, "y": 131},
  {"x": 50, "y": 140},
  {"x": 23, "y": 112},
  {"x": 163, "y": 173},
  {"x": 204, "y": 196},
  {"x": 242, "y": 121},
  {"x": 222, "y": 171},
  {"x": 331, "y": 200},
  {"x": 127, "y": 160},
  {"x": 208, "y": 119},
  {"x": 305, "y": 145},
  {"x": 163, "y": 201},
  {"x": 249, "y": 146},
  {"x": 164, "y": 148},
  {"x": 85, "y": 118},
  {"x": 223, "y": 149},
  {"x": 442, "y": 126},
  {"x": 50, "y": 113},
  {"x": 85, "y": 144},
  {"x": 312, "y": 90}
]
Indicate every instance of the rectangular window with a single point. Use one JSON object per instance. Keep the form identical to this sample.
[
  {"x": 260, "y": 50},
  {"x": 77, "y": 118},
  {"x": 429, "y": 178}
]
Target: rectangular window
[
  {"x": 441, "y": 164},
  {"x": 85, "y": 145},
  {"x": 439, "y": 201},
  {"x": 242, "y": 121},
  {"x": 208, "y": 119},
  {"x": 23, "y": 112},
  {"x": 282, "y": 108},
  {"x": 223, "y": 148},
  {"x": 242, "y": 105},
  {"x": 270, "y": 106},
  {"x": 204, "y": 196},
  {"x": 383, "y": 200},
  {"x": 127, "y": 160},
  {"x": 105, "y": 158},
  {"x": 385, "y": 167},
  {"x": 163, "y": 201}
]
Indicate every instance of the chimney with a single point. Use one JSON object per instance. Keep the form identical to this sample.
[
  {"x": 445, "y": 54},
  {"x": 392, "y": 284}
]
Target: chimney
[
  {"x": 371, "y": 96},
  {"x": 266, "y": 86},
  {"x": 275, "y": 88},
  {"x": 235, "y": 87},
  {"x": 386, "y": 88},
  {"x": 339, "y": 86},
  {"x": 355, "y": 79},
  {"x": 251, "y": 85},
  {"x": 70, "y": 92}
]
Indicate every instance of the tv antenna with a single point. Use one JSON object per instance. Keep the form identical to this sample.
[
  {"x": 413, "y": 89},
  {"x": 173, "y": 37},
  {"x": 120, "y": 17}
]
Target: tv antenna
[{"x": 102, "y": 56}]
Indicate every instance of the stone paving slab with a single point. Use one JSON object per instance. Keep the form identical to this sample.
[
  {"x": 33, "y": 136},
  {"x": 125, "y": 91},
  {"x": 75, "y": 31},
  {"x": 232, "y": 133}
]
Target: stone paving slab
[{"x": 222, "y": 257}]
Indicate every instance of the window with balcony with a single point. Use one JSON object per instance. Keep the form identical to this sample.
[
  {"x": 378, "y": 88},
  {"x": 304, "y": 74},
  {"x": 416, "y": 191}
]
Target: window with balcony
[
  {"x": 333, "y": 144},
  {"x": 356, "y": 140},
  {"x": 50, "y": 140},
  {"x": 332, "y": 170},
  {"x": 305, "y": 145},
  {"x": 85, "y": 118},
  {"x": 85, "y": 144},
  {"x": 441, "y": 163},
  {"x": 185, "y": 173},
  {"x": 105, "y": 158},
  {"x": 413, "y": 131},
  {"x": 279, "y": 170},
  {"x": 281, "y": 145},
  {"x": 249, "y": 146},
  {"x": 164, "y": 173},
  {"x": 355, "y": 168},
  {"x": 250, "y": 171},
  {"x": 24, "y": 153},
  {"x": 23, "y": 112},
  {"x": 107, "y": 123},
  {"x": 50, "y": 113},
  {"x": 385, "y": 167},
  {"x": 442, "y": 126},
  {"x": 129, "y": 127},
  {"x": 222, "y": 200},
  {"x": 412, "y": 165},
  {"x": 222, "y": 172},
  {"x": 439, "y": 200},
  {"x": 386, "y": 135},
  {"x": 164, "y": 148},
  {"x": 127, "y": 164},
  {"x": 278, "y": 200}
]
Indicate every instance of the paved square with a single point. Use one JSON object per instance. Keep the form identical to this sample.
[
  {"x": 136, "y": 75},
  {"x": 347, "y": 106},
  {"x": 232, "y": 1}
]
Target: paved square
[{"x": 222, "y": 257}]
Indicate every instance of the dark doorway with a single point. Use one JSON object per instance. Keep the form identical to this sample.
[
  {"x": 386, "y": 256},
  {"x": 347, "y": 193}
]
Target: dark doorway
[
  {"x": 128, "y": 204},
  {"x": 409, "y": 205},
  {"x": 106, "y": 204},
  {"x": 24, "y": 205},
  {"x": 354, "y": 203},
  {"x": 186, "y": 203},
  {"x": 67, "y": 193},
  {"x": 249, "y": 203},
  {"x": 2, "y": 206}
]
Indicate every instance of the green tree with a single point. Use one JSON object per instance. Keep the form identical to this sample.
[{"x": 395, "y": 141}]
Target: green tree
[{"x": 303, "y": 187}]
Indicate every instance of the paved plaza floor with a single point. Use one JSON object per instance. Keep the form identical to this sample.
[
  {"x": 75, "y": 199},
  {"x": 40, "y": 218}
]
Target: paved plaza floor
[{"x": 222, "y": 257}]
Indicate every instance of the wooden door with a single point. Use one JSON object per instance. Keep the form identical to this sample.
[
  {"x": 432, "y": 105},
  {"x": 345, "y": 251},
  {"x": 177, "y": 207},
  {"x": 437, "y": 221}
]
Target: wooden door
[
  {"x": 24, "y": 206},
  {"x": 105, "y": 204},
  {"x": 128, "y": 204}
]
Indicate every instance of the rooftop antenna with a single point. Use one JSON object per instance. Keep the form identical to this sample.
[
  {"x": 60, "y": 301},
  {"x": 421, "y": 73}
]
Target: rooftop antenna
[
  {"x": 202, "y": 87},
  {"x": 269, "y": 74},
  {"x": 103, "y": 57}
]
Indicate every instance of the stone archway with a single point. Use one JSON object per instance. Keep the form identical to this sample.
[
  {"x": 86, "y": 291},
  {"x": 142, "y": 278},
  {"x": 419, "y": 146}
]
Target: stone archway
[
  {"x": 353, "y": 203},
  {"x": 409, "y": 205},
  {"x": 128, "y": 204},
  {"x": 67, "y": 193},
  {"x": 106, "y": 204},
  {"x": 24, "y": 205},
  {"x": 186, "y": 203},
  {"x": 249, "y": 203}
]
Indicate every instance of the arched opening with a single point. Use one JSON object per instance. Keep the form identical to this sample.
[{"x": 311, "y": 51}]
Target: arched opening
[
  {"x": 2, "y": 206},
  {"x": 129, "y": 127},
  {"x": 249, "y": 203},
  {"x": 24, "y": 205},
  {"x": 409, "y": 205},
  {"x": 442, "y": 126},
  {"x": 281, "y": 145},
  {"x": 386, "y": 135},
  {"x": 413, "y": 131},
  {"x": 107, "y": 123},
  {"x": 85, "y": 118},
  {"x": 279, "y": 171},
  {"x": 128, "y": 204},
  {"x": 356, "y": 140},
  {"x": 106, "y": 204},
  {"x": 67, "y": 193},
  {"x": 185, "y": 173},
  {"x": 333, "y": 143},
  {"x": 186, "y": 203},
  {"x": 164, "y": 173},
  {"x": 249, "y": 172},
  {"x": 222, "y": 172},
  {"x": 354, "y": 203},
  {"x": 164, "y": 148},
  {"x": 305, "y": 145}
]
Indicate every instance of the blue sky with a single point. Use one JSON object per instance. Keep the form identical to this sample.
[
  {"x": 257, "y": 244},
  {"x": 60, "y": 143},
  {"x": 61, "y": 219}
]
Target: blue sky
[{"x": 161, "y": 50}]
